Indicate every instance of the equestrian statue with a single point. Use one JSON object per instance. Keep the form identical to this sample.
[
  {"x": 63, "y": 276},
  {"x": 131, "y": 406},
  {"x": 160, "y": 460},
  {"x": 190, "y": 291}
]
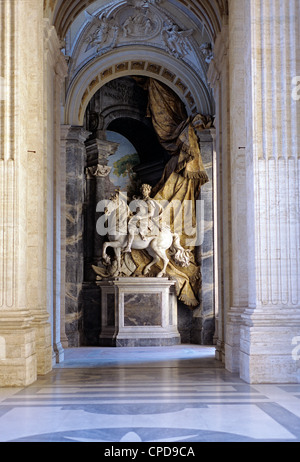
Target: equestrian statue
[{"x": 139, "y": 226}]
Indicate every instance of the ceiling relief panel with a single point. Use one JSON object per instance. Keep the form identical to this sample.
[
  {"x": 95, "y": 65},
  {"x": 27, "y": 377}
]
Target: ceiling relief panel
[
  {"x": 210, "y": 12},
  {"x": 143, "y": 37},
  {"x": 134, "y": 23},
  {"x": 137, "y": 22}
]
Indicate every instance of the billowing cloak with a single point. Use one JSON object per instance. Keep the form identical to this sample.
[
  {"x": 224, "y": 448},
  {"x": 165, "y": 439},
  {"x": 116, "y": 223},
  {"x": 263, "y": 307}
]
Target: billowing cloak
[{"x": 181, "y": 181}]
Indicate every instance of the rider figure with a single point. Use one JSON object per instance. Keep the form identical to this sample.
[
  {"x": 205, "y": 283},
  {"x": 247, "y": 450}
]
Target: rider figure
[{"x": 146, "y": 219}]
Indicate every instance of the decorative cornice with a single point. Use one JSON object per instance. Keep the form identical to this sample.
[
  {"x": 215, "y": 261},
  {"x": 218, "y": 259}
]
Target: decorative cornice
[{"x": 77, "y": 134}]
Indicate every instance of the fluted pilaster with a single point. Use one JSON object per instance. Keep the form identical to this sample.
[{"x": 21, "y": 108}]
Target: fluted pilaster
[
  {"x": 272, "y": 320},
  {"x": 276, "y": 152},
  {"x": 236, "y": 181},
  {"x": 22, "y": 282}
]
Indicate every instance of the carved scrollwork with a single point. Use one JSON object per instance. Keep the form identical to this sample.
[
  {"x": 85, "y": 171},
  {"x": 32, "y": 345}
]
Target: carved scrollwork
[{"x": 97, "y": 171}]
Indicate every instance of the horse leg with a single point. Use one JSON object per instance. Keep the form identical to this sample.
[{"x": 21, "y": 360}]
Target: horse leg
[
  {"x": 163, "y": 256},
  {"x": 116, "y": 245},
  {"x": 160, "y": 253},
  {"x": 166, "y": 262},
  {"x": 118, "y": 255},
  {"x": 155, "y": 259},
  {"x": 105, "y": 257}
]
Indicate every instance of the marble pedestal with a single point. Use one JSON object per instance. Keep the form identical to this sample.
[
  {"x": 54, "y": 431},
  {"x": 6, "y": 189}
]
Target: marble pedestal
[{"x": 138, "y": 312}]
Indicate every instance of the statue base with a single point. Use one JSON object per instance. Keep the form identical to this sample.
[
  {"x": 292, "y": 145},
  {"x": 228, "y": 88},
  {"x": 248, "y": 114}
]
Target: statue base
[{"x": 138, "y": 312}]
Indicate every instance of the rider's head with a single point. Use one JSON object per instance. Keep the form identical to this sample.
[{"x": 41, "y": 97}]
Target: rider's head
[{"x": 146, "y": 189}]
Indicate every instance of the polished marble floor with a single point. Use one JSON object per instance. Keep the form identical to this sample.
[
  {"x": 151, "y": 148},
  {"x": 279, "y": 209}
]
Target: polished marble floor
[{"x": 160, "y": 395}]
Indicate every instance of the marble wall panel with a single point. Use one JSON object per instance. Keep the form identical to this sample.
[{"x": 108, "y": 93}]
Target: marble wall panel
[{"x": 142, "y": 309}]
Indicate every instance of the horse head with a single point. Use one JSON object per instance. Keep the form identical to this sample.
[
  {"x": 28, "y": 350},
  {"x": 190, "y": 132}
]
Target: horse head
[
  {"x": 118, "y": 201},
  {"x": 112, "y": 204}
]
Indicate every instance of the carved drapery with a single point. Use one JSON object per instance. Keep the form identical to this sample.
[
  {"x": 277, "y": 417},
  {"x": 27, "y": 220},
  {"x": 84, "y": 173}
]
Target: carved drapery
[
  {"x": 176, "y": 131},
  {"x": 181, "y": 182}
]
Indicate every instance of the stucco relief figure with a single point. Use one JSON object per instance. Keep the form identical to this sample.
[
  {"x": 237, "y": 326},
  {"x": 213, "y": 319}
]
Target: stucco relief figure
[
  {"x": 137, "y": 26},
  {"x": 103, "y": 33},
  {"x": 148, "y": 27},
  {"x": 176, "y": 40},
  {"x": 128, "y": 26},
  {"x": 206, "y": 50},
  {"x": 139, "y": 4}
]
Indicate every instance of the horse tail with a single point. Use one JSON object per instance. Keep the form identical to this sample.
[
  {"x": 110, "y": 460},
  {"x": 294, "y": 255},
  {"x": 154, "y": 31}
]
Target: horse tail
[{"x": 180, "y": 255}]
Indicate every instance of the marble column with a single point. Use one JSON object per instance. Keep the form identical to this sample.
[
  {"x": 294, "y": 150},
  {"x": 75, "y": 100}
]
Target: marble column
[
  {"x": 98, "y": 187},
  {"x": 271, "y": 323},
  {"x": 75, "y": 197}
]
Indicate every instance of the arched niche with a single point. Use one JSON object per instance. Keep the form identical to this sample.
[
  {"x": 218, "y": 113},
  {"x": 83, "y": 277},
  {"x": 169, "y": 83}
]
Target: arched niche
[{"x": 140, "y": 62}]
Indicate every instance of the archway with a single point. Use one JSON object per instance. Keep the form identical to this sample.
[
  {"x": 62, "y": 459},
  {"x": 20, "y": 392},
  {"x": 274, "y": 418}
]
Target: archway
[{"x": 185, "y": 76}]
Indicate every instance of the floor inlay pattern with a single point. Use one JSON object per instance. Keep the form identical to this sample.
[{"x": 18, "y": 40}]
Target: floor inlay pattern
[{"x": 173, "y": 394}]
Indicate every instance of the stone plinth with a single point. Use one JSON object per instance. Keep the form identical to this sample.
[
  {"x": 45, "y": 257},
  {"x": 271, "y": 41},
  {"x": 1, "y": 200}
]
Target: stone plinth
[
  {"x": 269, "y": 345},
  {"x": 18, "y": 349},
  {"x": 139, "y": 312}
]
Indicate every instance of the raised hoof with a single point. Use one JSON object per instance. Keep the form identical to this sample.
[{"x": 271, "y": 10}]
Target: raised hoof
[{"x": 160, "y": 275}]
